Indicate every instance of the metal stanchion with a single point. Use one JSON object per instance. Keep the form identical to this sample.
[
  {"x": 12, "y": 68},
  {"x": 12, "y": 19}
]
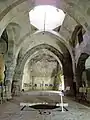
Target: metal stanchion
[{"x": 62, "y": 105}]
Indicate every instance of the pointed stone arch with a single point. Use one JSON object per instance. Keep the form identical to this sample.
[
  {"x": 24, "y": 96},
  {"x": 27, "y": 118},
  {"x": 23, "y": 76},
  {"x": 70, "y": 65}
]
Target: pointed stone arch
[{"x": 65, "y": 62}]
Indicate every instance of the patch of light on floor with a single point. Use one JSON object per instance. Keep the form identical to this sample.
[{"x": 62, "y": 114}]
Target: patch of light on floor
[{"x": 46, "y": 16}]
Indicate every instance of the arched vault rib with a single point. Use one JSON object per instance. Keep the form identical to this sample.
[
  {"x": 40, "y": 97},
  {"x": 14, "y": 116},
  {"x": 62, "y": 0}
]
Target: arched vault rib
[
  {"x": 71, "y": 5},
  {"x": 71, "y": 8},
  {"x": 46, "y": 52},
  {"x": 58, "y": 39},
  {"x": 36, "y": 48},
  {"x": 21, "y": 62},
  {"x": 56, "y": 36}
]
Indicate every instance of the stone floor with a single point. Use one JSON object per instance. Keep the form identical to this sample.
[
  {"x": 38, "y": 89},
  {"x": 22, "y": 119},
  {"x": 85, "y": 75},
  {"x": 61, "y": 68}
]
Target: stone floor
[{"x": 11, "y": 109}]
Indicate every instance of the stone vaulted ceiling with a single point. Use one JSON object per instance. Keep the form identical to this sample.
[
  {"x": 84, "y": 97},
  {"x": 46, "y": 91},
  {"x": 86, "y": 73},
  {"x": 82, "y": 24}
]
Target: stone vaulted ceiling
[{"x": 24, "y": 39}]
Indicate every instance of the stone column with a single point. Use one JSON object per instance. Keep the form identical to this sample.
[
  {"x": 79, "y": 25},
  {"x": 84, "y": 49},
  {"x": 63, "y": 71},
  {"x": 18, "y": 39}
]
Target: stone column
[
  {"x": 9, "y": 78},
  {"x": 17, "y": 82},
  {"x": 10, "y": 66},
  {"x": 68, "y": 75},
  {"x": 13, "y": 32},
  {"x": 68, "y": 85},
  {"x": 75, "y": 82}
]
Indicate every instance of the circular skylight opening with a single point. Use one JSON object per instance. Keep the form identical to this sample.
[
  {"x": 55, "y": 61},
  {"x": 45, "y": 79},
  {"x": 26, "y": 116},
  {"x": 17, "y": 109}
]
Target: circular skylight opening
[{"x": 46, "y": 17}]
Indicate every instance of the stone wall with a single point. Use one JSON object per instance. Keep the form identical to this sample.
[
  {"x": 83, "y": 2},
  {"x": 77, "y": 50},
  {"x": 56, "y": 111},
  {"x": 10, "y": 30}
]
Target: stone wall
[
  {"x": 40, "y": 75},
  {"x": 2, "y": 67}
]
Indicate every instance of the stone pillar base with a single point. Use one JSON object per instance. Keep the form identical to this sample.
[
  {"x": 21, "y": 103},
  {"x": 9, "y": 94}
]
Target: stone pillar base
[
  {"x": 9, "y": 96},
  {"x": 69, "y": 84},
  {"x": 16, "y": 90},
  {"x": 8, "y": 90},
  {"x": 8, "y": 93}
]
